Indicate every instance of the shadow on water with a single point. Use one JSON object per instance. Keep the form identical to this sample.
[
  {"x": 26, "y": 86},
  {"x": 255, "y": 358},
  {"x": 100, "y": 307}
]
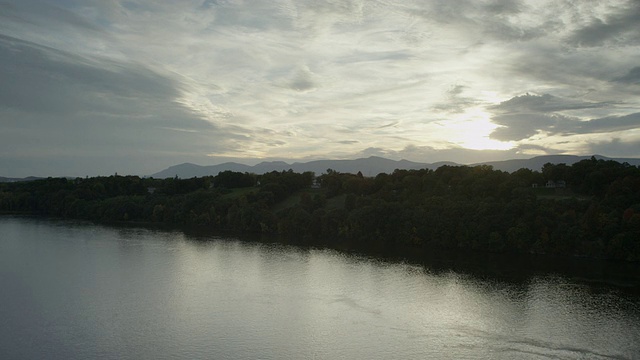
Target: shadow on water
[{"x": 515, "y": 268}]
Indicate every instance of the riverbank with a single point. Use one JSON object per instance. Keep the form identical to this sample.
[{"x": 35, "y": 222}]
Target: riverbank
[{"x": 597, "y": 214}]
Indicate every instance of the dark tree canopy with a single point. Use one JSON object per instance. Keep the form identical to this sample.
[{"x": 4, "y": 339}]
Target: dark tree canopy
[{"x": 591, "y": 208}]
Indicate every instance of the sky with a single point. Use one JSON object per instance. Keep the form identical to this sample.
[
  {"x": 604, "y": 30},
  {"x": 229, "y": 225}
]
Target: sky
[{"x": 97, "y": 87}]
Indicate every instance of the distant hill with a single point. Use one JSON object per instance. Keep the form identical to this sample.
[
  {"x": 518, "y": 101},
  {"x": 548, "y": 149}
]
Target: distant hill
[
  {"x": 370, "y": 166},
  {"x": 537, "y": 162},
  {"x": 30, "y": 178},
  {"x": 188, "y": 170}
]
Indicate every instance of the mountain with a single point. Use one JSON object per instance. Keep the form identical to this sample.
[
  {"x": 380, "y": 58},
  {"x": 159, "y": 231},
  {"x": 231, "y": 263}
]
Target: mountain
[
  {"x": 370, "y": 166},
  {"x": 537, "y": 162},
  {"x": 30, "y": 178},
  {"x": 188, "y": 170}
]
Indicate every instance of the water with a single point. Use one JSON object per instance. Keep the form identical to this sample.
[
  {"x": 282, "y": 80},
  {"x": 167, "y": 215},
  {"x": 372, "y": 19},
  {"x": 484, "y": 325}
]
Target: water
[{"x": 73, "y": 290}]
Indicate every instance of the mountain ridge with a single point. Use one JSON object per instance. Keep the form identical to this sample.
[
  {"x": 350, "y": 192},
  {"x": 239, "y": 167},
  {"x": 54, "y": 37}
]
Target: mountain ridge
[
  {"x": 370, "y": 166},
  {"x": 536, "y": 162},
  {"x": 11, "y": 179}
]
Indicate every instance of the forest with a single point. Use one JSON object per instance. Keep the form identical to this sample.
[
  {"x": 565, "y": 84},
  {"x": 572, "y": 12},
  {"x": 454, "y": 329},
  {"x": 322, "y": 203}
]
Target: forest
[{"x": 588, "y": 209}]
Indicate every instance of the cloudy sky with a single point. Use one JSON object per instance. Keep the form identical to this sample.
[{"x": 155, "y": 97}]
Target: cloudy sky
[{"x": 93, "y": 87}]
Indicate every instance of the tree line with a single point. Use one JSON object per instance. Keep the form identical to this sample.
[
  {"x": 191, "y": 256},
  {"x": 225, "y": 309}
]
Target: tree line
[{"x": 595, "y": 212}]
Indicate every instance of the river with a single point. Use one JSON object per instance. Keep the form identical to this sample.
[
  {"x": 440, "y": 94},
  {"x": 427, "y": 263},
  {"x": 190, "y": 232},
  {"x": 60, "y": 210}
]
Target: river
[{"x": 75, "y": 290}]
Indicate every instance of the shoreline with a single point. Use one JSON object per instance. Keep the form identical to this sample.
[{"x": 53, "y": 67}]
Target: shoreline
[{"x": 510, "y": 267}]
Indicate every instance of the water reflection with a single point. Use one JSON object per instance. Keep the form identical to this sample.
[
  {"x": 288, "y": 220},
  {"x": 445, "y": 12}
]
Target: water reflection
[{"x": 74, "y": 290}]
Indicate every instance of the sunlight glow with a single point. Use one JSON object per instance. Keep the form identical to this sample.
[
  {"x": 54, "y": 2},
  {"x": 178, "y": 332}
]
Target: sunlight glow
[
  {"x": 240, "y": 154},
  {"x": 473, "y": 128}
]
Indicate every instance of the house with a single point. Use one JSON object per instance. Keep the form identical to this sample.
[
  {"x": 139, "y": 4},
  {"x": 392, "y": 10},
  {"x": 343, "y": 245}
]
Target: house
[{"x": 556, "y": 184}]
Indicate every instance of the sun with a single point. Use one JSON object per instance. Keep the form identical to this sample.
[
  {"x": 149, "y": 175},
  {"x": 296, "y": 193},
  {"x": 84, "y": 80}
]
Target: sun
[{"x": 473, "y": 129}]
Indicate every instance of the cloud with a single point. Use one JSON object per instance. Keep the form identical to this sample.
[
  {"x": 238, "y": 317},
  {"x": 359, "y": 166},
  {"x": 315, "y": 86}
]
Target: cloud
[
  {"x": 505, "y": 7},
  {"x": 348, "y": 142},
  {"x": 632, "y": 77},
  {"x": 558, "y": 68},
  {"x": 603, "y": 125},
  {"x": 486, "y": 21},
  {"x": 302, "y": 80},
  {"x": 133, "y": 83},
  {"x": 50, "y": 81},
  {"x": 524, "y": 116},
  {"x": 514, "y": 127},
  {"x": 454, "y": 102},
  {"x": 428, "y": 154},
  {"x": 542, "y": 103},
  {"x": 533, "y": 148},
  {"x": 74, "y": 108},
  {"x": 618, "y": 25},
  {"x": 43, "y": 13},
  {"x": 615, "y": 147}
]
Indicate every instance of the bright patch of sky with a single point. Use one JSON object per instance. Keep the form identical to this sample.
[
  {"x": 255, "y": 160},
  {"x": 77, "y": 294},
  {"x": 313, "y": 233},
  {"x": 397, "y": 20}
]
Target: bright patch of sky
[{"x": 95, "y": 87}]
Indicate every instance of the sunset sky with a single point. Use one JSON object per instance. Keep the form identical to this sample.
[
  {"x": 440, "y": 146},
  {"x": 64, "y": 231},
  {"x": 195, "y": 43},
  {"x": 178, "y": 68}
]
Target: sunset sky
[{"x": 93, "y": 87}]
